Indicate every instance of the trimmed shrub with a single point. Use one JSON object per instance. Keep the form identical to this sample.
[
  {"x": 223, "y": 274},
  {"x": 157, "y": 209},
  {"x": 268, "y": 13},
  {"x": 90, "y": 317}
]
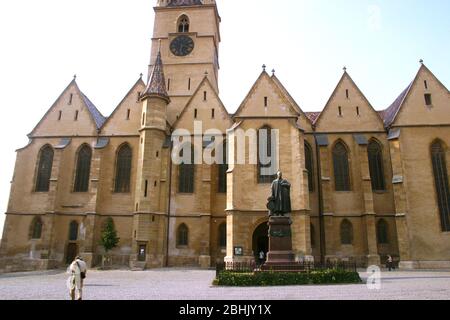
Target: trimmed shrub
[{"x": 264, "y": 279}]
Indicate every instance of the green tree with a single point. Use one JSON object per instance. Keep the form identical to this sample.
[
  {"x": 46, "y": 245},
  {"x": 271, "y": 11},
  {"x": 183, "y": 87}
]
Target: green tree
[{"x": 109, "y": 239}]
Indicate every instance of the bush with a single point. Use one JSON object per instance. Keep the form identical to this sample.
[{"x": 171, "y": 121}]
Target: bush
[{"x": 262, "y": 279}]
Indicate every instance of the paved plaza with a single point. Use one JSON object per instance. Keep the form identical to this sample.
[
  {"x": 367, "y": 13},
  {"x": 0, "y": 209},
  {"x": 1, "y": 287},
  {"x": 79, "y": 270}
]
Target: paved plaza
[{"x": 181, "y": 284}]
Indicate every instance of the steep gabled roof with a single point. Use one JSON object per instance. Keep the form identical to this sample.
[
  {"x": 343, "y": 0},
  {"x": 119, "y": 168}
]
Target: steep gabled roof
[
  {"x": 289, "y": 97},
  {"x": 390, "y": 114},
  {"x": 205, "y": 80},
  {"x": 312, "y": 116},
  {"x": 139, "y": 81},
  {"x": 293, "y": 105},
  {"x": 344, "y": 75},
  {"x": 98, "y": 118}
]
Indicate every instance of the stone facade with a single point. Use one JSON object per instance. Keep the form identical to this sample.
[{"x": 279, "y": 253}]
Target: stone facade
[{"x": 149, "y": 215}]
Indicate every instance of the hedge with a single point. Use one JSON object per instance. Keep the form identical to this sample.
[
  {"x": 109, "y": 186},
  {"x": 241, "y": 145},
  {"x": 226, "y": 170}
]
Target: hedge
[{"x": 264, "y": 279}]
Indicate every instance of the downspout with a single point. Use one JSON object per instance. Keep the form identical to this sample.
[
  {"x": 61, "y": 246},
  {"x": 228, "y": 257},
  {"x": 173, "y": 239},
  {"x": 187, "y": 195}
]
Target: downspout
[
  {"x": 169, "y": 207},
  {"x": 321, "y": 205}
]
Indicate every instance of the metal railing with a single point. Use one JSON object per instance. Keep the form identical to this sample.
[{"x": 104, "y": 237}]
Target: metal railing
[{"x": 251, "y": 267}]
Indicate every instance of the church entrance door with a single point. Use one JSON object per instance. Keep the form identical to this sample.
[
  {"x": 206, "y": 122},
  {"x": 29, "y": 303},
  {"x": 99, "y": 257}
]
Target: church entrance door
[{"x": 261, "y": 241}]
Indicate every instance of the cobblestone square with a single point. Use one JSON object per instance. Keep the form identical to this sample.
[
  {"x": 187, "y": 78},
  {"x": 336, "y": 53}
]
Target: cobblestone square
[{"x": 191, "y": 284}]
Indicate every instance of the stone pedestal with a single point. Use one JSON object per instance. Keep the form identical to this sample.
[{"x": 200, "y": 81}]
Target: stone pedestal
[{"x": 280, "y": 242}]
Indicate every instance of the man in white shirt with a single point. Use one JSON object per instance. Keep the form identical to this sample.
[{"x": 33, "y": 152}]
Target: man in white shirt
[{"x": 78, "y": 271}]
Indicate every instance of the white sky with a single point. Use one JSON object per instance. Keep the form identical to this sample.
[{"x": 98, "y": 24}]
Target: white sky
[{"x": 107, "y": 44}]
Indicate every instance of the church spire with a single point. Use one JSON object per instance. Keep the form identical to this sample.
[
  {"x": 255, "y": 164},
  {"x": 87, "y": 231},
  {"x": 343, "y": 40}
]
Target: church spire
[{"x": 157, "y": 83}]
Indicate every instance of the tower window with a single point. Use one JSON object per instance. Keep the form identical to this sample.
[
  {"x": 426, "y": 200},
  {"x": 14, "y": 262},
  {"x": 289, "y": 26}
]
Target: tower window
[
  {"x": 60, "y": 116},
  {"x": 213, "y": 113},
  {"x": 76, "y": 115},
  {"x": 189, "y": 84},
  {"x": 426, "y": 84},
  {"x": 195, "y": 113},
  {"x": 340, "y": 111},
  {"x": 204, "y": 95},
  {"x": 138, "y": 97},
  {"x": 346, "y": 93},
  {"x": 168, "y": 85},
  {"x": 128, "y": 114},
  {"x": 70, "y": 98},
  {"x": 357, "y": 111},
  {"x": 143, "y": 119},
  {"x": 183, "y": 24},
  {"x": 428, "y": 100},
  {"x": 265, "y": 102}
]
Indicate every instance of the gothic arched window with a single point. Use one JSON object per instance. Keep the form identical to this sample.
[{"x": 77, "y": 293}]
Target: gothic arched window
[
  {"x": 223, "y": 168},
  {"x": 187, "y": 175},
  {"x": 44, "y": 171},
  {"x": 183, "y": 24},
  {"x": 223, "y": 235},
  {"x": 341, "y": 167},
  {"x": 36, "y": 228},
  {"x": 382, "y": 232},
  {"x": 313, "y": 235},
  {"x": 265, "y": 140},
  {"x": 375, "y": 154},
  {"x": 309, "y": 165},
  {"x": 441, "y": 183},
  {"x": 183, "y": 236},
  {"x": 83, "y": 169},
  {"x": 73, "y": 231},
  {"x": 123, "y": 169},
  {"x": 346, "y": 232}
]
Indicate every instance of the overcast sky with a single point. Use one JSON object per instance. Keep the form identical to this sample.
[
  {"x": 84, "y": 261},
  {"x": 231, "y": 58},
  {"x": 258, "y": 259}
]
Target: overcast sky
[{"x": 107, "y": 44}]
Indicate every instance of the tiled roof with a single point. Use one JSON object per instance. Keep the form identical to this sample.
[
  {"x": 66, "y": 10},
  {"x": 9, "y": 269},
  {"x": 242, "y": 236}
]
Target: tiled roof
[
  {"x": 96, "y": 115},
  {"x": 313, "y": 116},
  {"x": 157, "y": 83},
  {"x": 390, "y": 113},
  {"x": 179, "y": 3}
]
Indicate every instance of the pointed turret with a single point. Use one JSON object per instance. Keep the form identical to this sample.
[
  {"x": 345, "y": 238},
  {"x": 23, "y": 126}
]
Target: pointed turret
[{"x": 157, "y": 83}]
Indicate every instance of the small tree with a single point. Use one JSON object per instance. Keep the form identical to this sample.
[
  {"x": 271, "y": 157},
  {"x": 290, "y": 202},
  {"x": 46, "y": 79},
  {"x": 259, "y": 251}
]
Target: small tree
[{"x": 109, "y": 239}]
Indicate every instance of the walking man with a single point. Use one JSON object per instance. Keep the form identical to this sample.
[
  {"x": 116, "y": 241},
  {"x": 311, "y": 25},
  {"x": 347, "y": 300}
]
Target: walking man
[{"x": 78, "y": 271}]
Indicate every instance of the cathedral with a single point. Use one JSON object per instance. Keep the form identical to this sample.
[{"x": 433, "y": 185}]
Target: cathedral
[{"x": 365, "y": 184}]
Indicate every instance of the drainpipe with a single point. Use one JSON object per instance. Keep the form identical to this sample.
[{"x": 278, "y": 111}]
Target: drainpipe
[
  {"x": 169, "y": 204},
  {"x": 321, "y": 205}
]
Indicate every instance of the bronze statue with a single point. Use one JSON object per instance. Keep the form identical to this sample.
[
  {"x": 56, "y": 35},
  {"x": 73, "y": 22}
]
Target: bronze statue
[{"x": 279, "y": 203}]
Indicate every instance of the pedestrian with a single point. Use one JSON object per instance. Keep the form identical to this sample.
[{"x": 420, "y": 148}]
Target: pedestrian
[
  {"x": 78, "y": 271},
  {"x": 390, "y": 263},
  {"x": 262, "y": 258}
]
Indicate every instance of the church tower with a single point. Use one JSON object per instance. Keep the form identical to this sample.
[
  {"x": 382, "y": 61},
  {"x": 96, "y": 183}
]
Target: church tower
[
  {"x": 189, "y": 34},
  {"x": 149, "y": 222}
]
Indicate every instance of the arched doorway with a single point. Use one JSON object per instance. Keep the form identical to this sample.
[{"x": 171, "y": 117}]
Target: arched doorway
[{"x": 261, "y": 240}]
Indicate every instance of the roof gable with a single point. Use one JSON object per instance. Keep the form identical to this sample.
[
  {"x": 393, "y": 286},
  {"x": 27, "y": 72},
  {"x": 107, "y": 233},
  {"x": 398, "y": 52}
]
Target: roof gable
[
  {"x": 71, "y": 114},
  {"x": 279, "y": 102},
  {"x": 221, "y": 120},
  {"x": 410, "y": 109},
  {"x": 347, "y": 110},
  {"x": 118, "y": 123}
]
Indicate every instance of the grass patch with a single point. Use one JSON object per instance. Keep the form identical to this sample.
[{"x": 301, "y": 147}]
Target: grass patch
[{"x": 266, "y": 279}]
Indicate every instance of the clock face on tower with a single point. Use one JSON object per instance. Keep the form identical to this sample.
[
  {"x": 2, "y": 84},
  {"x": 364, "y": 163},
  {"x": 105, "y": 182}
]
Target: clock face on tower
[{"x": 182, "y": 46}]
